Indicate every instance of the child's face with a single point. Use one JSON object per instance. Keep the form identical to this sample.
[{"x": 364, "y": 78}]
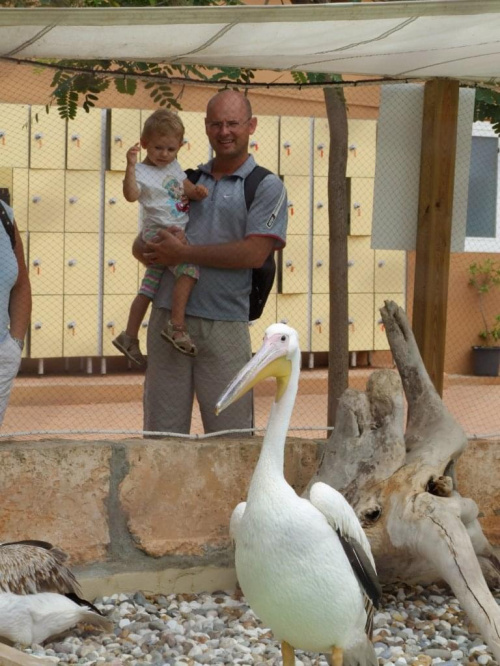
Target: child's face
[{"x": 161, "y": 149}]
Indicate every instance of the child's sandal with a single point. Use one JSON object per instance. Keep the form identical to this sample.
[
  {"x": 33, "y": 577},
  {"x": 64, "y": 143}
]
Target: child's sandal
[{"x": 179, "y": 337}]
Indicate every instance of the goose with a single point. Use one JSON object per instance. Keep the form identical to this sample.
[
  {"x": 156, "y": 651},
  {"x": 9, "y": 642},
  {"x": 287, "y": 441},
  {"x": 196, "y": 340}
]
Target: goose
[
  {"x": 39, "y": 595},
  {"x": 304, "y": 566}
]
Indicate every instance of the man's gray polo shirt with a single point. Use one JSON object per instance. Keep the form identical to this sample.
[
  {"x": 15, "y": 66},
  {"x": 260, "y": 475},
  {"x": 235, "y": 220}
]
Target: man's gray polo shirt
[{"x": 222, "y": 217}]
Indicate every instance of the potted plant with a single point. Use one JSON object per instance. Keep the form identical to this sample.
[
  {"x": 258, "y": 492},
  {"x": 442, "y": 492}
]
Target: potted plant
[{"x": 485, "y": 277}]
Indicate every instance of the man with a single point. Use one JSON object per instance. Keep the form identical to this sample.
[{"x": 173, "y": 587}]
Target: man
[{"x": 227, "y": 242}]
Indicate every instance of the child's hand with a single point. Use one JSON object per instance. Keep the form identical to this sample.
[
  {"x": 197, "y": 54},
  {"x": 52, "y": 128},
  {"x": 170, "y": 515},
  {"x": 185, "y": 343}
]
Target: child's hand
[
  {"x": 133, "y": 154},
  {"x": 200, "y": 192}
]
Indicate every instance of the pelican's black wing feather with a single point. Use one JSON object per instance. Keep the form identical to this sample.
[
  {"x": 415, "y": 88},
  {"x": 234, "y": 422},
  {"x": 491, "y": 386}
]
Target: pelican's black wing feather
[{"x": 363, "y": 568}]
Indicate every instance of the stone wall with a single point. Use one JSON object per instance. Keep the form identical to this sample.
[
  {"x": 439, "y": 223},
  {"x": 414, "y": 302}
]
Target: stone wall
[{"x": 151, "y": 514}]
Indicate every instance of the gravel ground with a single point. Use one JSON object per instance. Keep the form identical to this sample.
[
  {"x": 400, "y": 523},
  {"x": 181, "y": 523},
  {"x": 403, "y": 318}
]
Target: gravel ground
[{"x": 416, "y": 625}]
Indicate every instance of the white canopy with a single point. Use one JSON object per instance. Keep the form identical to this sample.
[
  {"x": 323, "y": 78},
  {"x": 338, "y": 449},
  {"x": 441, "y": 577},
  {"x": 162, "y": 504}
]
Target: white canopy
[{"x": 417, "y": 39}]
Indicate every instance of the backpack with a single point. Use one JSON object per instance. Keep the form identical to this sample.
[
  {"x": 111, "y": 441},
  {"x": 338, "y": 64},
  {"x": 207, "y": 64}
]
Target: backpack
[
  {"x": 8, "y": 225},
  {"x": 263, "y": 277}
]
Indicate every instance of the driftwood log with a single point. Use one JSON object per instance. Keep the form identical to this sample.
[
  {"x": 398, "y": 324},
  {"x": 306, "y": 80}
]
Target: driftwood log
[{"x": 402, "y": 483}]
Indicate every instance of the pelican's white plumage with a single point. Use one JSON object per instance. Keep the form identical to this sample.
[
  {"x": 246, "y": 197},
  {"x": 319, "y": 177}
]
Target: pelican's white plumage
[
  {"x": 39, "y": 595},
  {"x": 293, "y": 556}
]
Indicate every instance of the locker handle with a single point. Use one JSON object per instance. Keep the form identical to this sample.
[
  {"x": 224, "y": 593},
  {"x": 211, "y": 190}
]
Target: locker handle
[
  {"x": 381, "y": 263},
  {"x": 251, "y": 323},
  {"x": 73, "y": 200},
  {"x": 380, "y": 321},
  {"x": 254, "y": 144},
  {"x": 319, "y": 263},
  {"x": 320, "y": 204},
  {"x": 289, "y": 264},
  {"x": 110, "y": 324},
  {"x": 72, "y": 262},
  {"x": 350, "y": 263},
  {"x": 113, "y": 200},
  {"x": 38, "y": 136},
  {"x": 3, "y": 134},
  {"x": 38, "y": 325},
  {"x": 320, "y": 146},
  {"x": 352, "y": 147},
  {"x": 75, "y": 137},
  {"x": 36, "y": 199},
  {"x": 118, "y": 139},
  {"x": 144, "y": 324},
  {"x": 186, "y": 142},
  {"x": 284, "y": 321},
  {"x": 71, "y": 324},
  {"x": 356, "y": 205},
  {"x": 111, "y": 262},
  {"x": 318, "y": 322},
  {"x": 37, "y": 262}
]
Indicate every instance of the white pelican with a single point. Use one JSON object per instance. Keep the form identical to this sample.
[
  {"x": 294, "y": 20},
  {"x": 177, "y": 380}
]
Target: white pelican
[
  {"x": 305, "y": 566},
  {"x": 39, "y": 594}
]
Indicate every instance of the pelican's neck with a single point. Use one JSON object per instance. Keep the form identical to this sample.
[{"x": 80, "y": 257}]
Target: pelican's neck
[{"x": 271, "y": 460}]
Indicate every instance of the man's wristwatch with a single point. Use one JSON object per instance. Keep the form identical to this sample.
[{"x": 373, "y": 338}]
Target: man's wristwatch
[{"x": 19, "y": 342}]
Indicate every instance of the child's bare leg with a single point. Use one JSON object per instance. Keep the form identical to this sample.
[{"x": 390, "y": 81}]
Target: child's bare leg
[
  {"x": 182, "y": 291},
  {"x": 138, "y": 310}
]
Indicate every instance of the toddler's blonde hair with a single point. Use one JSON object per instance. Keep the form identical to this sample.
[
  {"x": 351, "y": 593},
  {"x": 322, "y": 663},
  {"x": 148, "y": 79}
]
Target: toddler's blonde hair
[{"x": 163, "y": 123}]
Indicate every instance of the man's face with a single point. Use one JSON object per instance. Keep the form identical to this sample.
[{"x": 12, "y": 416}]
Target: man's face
[{"x": 228, "y": 126}]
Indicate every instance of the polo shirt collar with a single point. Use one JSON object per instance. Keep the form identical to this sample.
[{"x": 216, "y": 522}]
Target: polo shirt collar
[{"x": 246, "y": 168}]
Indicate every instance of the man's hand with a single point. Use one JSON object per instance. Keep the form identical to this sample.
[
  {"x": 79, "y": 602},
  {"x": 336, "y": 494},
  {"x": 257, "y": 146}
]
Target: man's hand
[{"x": 166, "y": 247}]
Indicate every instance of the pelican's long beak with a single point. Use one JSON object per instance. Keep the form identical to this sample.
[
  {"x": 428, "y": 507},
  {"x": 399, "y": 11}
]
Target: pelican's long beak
[{"x": 270, "y": 361}]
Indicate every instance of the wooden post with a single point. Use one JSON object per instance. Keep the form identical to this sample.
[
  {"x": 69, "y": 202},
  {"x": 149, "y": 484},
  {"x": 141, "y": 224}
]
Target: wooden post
[{"x": 435, "y": 209}]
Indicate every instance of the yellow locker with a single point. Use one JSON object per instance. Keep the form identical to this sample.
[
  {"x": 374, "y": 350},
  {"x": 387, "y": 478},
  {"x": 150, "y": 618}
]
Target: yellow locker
[
  {"x": 83, "y": 201},
  {"x": 119, "y": 215},
  {"x": 379, "y": 336},
  {"x": 258, "y": 327},
  {"x": 291, "y": 309},
  {"x": 114, "y": 320},
  {"x": 14, "y": 135},
  {"x": 46, "y": 327},
  {"x": 48, "y": 139},
  {"x": 320, "y": 322},
  {"x": 295, "y": 146},
  {"x": 321, "y": 144},
  {"x": 20, "y": 189},
  {"x": 124, "y": 133},
  {"x": 298, "y": 190},
  {"x": 196, "y": 148},
  {"x": 46, "y": 200},
  {"x": 320, "y": 206},
  {"x": 295, "y": 265},
  {"x": 84, "y": 141},
  {"x": 389, "y": 270},
  {"x": 264, "y": 142},
  {"x": 120, "y": 267},
  {"x": 46, "y": 256},
  {"x": 361, "y": 148},
  {"x": 360, "y": 322},
  {"x": 81, "y": 263},
  {"x": 361, "y": 206},
  {"x": 321, "y": 265},
  {"x": 360, "y": 265},
  {"x": 80, "y": 325}
]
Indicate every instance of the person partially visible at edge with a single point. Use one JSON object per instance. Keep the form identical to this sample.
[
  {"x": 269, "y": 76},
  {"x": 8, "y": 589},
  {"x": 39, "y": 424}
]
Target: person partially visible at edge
[
  {"x": 227, "y": 242},
  {"x": 15, "y": 309}
]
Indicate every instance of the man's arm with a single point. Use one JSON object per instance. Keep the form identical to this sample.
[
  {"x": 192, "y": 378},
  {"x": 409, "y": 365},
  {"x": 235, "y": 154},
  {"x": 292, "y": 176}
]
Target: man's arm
[{"x": 250, "y": 252}]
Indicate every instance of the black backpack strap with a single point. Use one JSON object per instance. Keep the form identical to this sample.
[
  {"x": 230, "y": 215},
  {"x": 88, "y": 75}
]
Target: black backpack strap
[
  {"x": 252, "y": 182},
  {"x": 8, "y": 225}
]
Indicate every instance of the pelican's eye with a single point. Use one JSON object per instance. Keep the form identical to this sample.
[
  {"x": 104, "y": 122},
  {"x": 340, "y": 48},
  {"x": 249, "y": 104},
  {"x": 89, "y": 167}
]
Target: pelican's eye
[{"x": 283, "y": 338}]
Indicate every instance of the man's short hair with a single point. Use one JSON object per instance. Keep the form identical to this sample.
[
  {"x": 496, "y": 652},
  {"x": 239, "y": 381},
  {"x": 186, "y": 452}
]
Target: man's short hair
[{"x": 163, "y": 123}]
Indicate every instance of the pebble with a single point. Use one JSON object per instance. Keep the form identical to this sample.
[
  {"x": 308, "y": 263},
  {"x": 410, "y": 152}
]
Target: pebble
[{"x": 416, "y": 626}]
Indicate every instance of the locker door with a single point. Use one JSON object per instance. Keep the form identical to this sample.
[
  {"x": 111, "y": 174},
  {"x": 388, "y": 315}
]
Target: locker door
[
  {"x": 361, "y": 206},
  {"x": 14, "y": 135},
  {"x": 124, "y": 133},
  {"x": 115, "y": 315},
  {"x": 264, "y": 142},
  {"x": 320, "y": 322},
  {"x": 196, "y": 148},
  {"x": 360, "y": 322},
  {"x": 295, "y": 265},
  {"x": 361, "y": 144},
  {"x": 258, "y": 327},
  {"x": 119, "y": 215},
  {"x": 20, "y": 189},
  {"x": 321, "y": 265},
  {"x": 295, "y": 146},
  {"x": 320, "y": 206},
  {"x": 360, "y": 264},
  {"x": 81, "y": 263},
  {"x": 48, "y": 139},
  {"x": 80, "y": 319},
  {"x": 82, "y": 201},
  {"x": 380, "y": 341},
  {"x": 389, "y": 271},
  {"x": 46, "y": 327},
  {"x": 120, "y": 267},
  {"x": 321, "y": 146},
  {"x": 298, "y": 190},
  {"x": 46, "y": 200},
  {"x": 45, "y": 263},
  {"x": 84, "y": 141},
  {"x": 292, "y": 310}
]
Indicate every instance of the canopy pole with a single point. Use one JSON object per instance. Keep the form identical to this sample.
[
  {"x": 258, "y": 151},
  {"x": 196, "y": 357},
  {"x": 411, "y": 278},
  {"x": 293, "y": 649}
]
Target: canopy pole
[{"x": 435, "y": 210}]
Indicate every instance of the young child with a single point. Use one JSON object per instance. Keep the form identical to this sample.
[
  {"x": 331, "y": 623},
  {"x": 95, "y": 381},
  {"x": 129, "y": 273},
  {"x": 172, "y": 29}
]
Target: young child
[{"x": 162, "y": 189}]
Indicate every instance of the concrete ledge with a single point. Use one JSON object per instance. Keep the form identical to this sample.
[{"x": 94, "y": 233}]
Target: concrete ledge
[{"x": 154, "y": 514}]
